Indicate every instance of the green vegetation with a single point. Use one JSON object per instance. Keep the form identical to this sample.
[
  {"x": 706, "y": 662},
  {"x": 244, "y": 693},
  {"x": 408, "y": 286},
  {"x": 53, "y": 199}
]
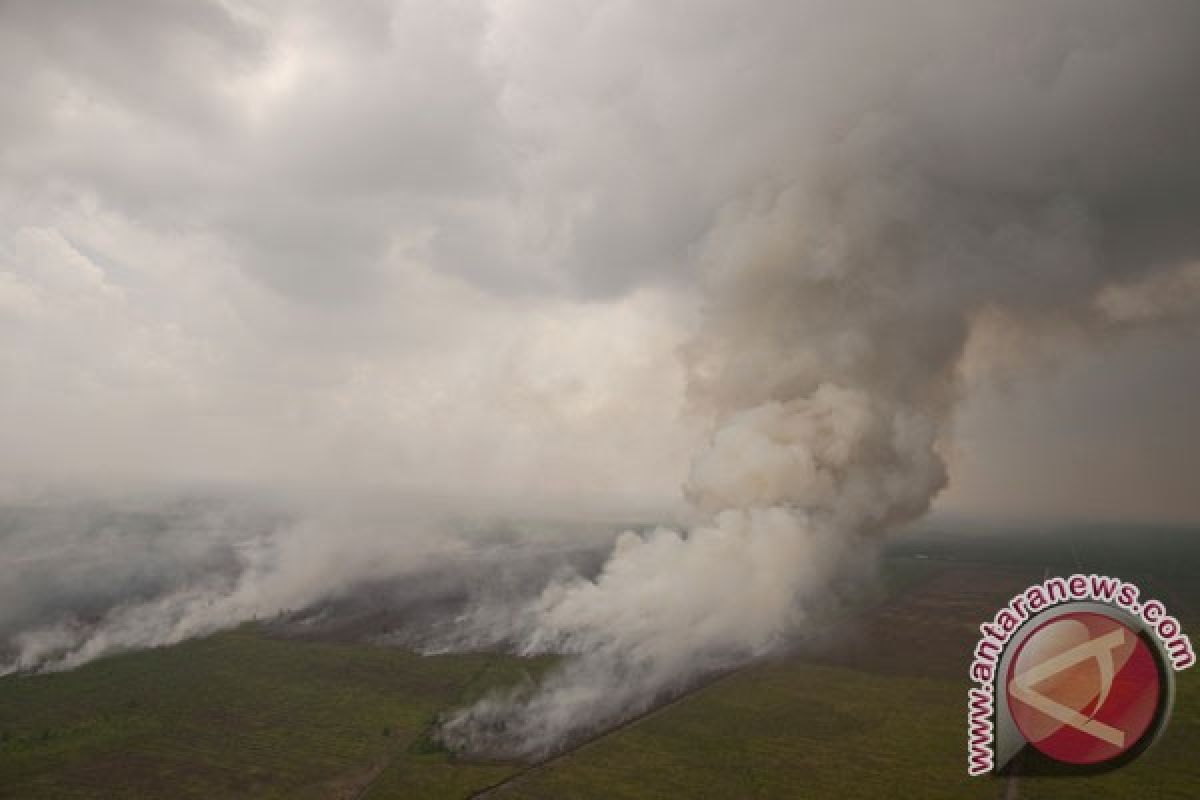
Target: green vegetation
[
  {"x": 243, "y": 715},
  {"x": 796, "y": 730},
  {"x": 238, "y": 715},
  {"x": 780, "y": 730}
]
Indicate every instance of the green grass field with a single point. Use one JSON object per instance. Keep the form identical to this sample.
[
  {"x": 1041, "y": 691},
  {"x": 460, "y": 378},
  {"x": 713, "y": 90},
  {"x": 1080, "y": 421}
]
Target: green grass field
[
  {"x": 796, "y": 730},
  {"x": 237, "y": 715}
]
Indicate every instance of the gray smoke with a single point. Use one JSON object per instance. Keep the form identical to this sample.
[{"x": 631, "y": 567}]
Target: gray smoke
[
  {"x": 937, "y": 175},
  {"x": 452, "y": 248},
  {"x": 81, "y": 579}
]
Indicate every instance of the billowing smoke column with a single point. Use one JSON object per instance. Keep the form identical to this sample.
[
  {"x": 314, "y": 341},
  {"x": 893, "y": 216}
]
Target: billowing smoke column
[
  {"x": 832, "y": 384},
  {"x": 883, "y": 197},
  {"x": 842, "y": 306}
]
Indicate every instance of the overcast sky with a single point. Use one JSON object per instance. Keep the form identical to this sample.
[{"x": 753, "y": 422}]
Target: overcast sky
[{"x": 457, "y": 246}]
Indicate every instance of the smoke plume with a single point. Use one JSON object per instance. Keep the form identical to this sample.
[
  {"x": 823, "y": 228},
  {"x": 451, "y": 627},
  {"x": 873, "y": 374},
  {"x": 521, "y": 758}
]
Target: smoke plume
[
  {"x": 842, "y": 298},
  {"x": 454, "y": 248}
]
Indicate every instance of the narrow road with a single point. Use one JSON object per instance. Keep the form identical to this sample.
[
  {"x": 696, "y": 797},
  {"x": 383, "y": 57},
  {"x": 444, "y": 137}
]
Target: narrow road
[
  {"x": 538, "y": 766},
  {"x": 533, "y": 769}
]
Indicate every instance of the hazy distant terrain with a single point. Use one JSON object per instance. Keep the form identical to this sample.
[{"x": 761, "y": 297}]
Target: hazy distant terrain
[{"x": 272, "y": 710}]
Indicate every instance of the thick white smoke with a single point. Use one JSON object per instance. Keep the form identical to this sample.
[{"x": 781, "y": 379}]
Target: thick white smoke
[
  {"x": 381, "y": 249},
  {"x": 832, "y": 436},
  {"x": 793, "y": 484},
  {"x": 843, "y": 293}
]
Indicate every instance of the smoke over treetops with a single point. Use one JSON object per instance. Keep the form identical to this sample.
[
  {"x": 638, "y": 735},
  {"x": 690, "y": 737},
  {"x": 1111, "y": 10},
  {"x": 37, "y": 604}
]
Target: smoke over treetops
[{"x": 816, "y": 224}]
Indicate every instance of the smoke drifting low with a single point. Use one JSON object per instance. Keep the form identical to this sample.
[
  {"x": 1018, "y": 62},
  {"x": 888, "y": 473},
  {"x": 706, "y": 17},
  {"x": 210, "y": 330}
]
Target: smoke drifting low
[
  {"x": 82, "y": 579},
  {"x": 86, "y": 578},
  {"x": 862, "y": 206}
]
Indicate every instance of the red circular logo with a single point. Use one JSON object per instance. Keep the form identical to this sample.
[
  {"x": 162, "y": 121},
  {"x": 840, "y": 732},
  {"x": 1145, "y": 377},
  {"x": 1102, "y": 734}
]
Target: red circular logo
[{"x": 1083, "y": 688}]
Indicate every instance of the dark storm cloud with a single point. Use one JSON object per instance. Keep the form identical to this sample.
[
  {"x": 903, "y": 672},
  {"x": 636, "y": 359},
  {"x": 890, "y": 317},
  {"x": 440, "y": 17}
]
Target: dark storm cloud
[
  {"x": 302, "y": 193},
  {"x": 155, "y": 58},
  {"x": 150, "y": 108},
  {"x": 586, "y": 150}
]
